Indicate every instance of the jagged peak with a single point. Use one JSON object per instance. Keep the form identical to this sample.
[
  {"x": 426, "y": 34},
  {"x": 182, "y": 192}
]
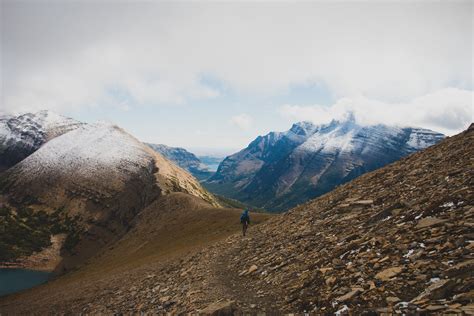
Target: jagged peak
[{"x": 303, "y": 128}]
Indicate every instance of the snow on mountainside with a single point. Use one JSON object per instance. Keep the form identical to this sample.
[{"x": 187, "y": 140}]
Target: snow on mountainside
[
  {"x": 104, "y": 157},
  {"x": 100, "y": 177},
  {"x": 23, "y": 134},
  {"x": 282, "y": 169},
  {"x": 86, "y": 150}
]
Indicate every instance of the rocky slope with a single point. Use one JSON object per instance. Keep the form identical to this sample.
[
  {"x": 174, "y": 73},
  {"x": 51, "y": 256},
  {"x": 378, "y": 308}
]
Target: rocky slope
[
  {"x": 169, "y": 230},
  {"x": 280, "y": 170},
  {"x": 398, "y": 239},
  {"x": 395, "y": 240},
  {"x": 100, "y": 177},
  {"x": 22, "y": 135},
  {"x": 184, "y": 159}
]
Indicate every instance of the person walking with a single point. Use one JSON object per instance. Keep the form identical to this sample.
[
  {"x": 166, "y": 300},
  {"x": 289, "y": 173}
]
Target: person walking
[{"x": 245, "y": 221}]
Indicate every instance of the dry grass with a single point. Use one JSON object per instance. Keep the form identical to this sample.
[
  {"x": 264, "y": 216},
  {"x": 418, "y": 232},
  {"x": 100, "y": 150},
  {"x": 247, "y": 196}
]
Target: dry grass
[{"x": 172, "y": 226}]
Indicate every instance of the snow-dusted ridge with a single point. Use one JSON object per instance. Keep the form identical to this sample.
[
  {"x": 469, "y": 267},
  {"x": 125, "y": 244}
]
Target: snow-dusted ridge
[
  {"x": 101, "y": 156},
  {"x": 40, "y": 125},
  {"x": 282, "y": 169},
  {"x": 22, "y": 135},
  {"x": 347, "y": 135},
  {"x": 88, "y": 149}
]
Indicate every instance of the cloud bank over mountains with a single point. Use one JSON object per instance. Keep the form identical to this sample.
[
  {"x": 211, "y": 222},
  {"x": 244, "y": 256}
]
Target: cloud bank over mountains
[
  {"x": 448, "y": 111},
  {"x": 388, "y": 56}
]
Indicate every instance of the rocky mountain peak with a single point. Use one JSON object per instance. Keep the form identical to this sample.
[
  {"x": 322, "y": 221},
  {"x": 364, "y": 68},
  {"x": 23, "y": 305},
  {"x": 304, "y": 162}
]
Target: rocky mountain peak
[
  {"x": 96, "y": 172},
  {"x": 309, "y": 160},
  {"x": 304, "y": 128},
  {"x": 23, "y": 134},
  {"x": 403, "y": 229}
]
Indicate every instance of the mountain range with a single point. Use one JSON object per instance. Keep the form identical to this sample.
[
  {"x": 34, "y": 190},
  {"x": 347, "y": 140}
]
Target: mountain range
[
  {"x": 283, "y": 169},
  {"x": 397, "y": 240},
  {"x": 184, "y": 159}
]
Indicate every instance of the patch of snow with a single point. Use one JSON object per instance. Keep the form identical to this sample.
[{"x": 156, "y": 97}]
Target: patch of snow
[
  {"x": 332, "y": 141},
  {"x": 434, "y": 280},
  {"x": 402, "y": 305},
  {"x": 304, "y": 128},
  {"x": 7, "y": 135},
  {"x": 448, "y": 204},
  {"x": 342, "y": 311},
  {"x": 33, "y": 129},
  {"x": 422, "y": 138}
]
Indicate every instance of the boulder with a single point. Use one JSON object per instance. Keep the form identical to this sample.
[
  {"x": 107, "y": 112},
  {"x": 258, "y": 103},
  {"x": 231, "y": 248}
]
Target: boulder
[
  {"x": 350, "y": 295},
  {"x": 429, "y": 222},
  {"x": 437, "y": 290},
  {"x": 465, "y": 267},
  {"x": 222, "y": 308},
  {"x": 389, "y": 273},
  {"x": 253, "y": 268}
]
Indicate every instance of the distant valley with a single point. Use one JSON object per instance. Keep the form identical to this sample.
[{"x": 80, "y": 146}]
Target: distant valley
[
  {"x": 236, "y": 158},
  {"x": 202, "y": 168},
  {"x": 133, "y": 232}
]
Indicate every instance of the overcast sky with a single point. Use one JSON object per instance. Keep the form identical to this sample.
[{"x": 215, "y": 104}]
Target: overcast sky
[{"x": 216, "y": 75}]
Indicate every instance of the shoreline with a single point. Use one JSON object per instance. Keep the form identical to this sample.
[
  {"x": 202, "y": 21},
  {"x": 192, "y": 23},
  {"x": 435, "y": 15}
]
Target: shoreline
[
  {"x": 23, "y": 266},
  {"x": 45, "y": 260}
]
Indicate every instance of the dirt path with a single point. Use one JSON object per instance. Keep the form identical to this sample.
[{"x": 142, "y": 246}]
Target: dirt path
[
  {"x": 238, "y": 284},
  {"x": 185, "y": 265}
]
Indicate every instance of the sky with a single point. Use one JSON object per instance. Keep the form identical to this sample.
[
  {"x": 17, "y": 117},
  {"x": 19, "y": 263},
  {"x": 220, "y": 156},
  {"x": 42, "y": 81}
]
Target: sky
[{"x": 212, "y": 76}]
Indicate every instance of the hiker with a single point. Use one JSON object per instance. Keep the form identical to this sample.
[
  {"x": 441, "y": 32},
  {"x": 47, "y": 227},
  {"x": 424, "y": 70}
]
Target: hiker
[{"x": 245, "y": 220}]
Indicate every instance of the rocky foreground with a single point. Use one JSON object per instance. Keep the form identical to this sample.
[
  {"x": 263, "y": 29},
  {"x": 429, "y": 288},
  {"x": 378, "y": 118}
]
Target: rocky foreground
[{"x": 399, "y": 239}]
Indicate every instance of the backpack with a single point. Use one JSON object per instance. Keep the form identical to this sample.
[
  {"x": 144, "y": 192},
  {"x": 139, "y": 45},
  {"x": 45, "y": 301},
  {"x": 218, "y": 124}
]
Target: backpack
[{"x": 245, "y": 217}]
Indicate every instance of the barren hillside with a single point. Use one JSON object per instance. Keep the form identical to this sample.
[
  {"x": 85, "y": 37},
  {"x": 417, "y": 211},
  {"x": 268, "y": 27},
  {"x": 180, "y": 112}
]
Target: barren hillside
[
  {"x": 398, "y": 239},
  {"x": 96, "y": 178}
]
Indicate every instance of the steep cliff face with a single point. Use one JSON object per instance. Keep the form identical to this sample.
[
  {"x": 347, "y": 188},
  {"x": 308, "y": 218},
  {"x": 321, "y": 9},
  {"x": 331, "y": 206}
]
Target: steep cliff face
[{"x": 280, "y": 170}]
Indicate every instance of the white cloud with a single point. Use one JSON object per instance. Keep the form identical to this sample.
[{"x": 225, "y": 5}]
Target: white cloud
[
  {"x": 62, "y": 55},
  {"x": 242, "y": 121},
  {"x": 448, "y": 111}
]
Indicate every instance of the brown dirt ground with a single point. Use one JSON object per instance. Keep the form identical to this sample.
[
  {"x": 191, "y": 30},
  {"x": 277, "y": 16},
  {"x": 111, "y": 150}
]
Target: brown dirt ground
[{"x": 172, "y": 227}]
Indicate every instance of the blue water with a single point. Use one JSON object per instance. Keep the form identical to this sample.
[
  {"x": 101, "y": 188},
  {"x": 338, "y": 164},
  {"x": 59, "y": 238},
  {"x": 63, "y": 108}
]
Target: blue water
[{"x": 14, "y": 280}]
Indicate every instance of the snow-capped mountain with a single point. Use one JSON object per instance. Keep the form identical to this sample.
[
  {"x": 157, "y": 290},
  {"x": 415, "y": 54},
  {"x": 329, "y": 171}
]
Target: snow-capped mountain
[
  {"x": 282, "y": 169},
  {"x": 97, "y": 174},
  {"x": 102, "y": 156},
  {"x": 184, "y": 159},
  {"x": 22, "y": 135}
]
